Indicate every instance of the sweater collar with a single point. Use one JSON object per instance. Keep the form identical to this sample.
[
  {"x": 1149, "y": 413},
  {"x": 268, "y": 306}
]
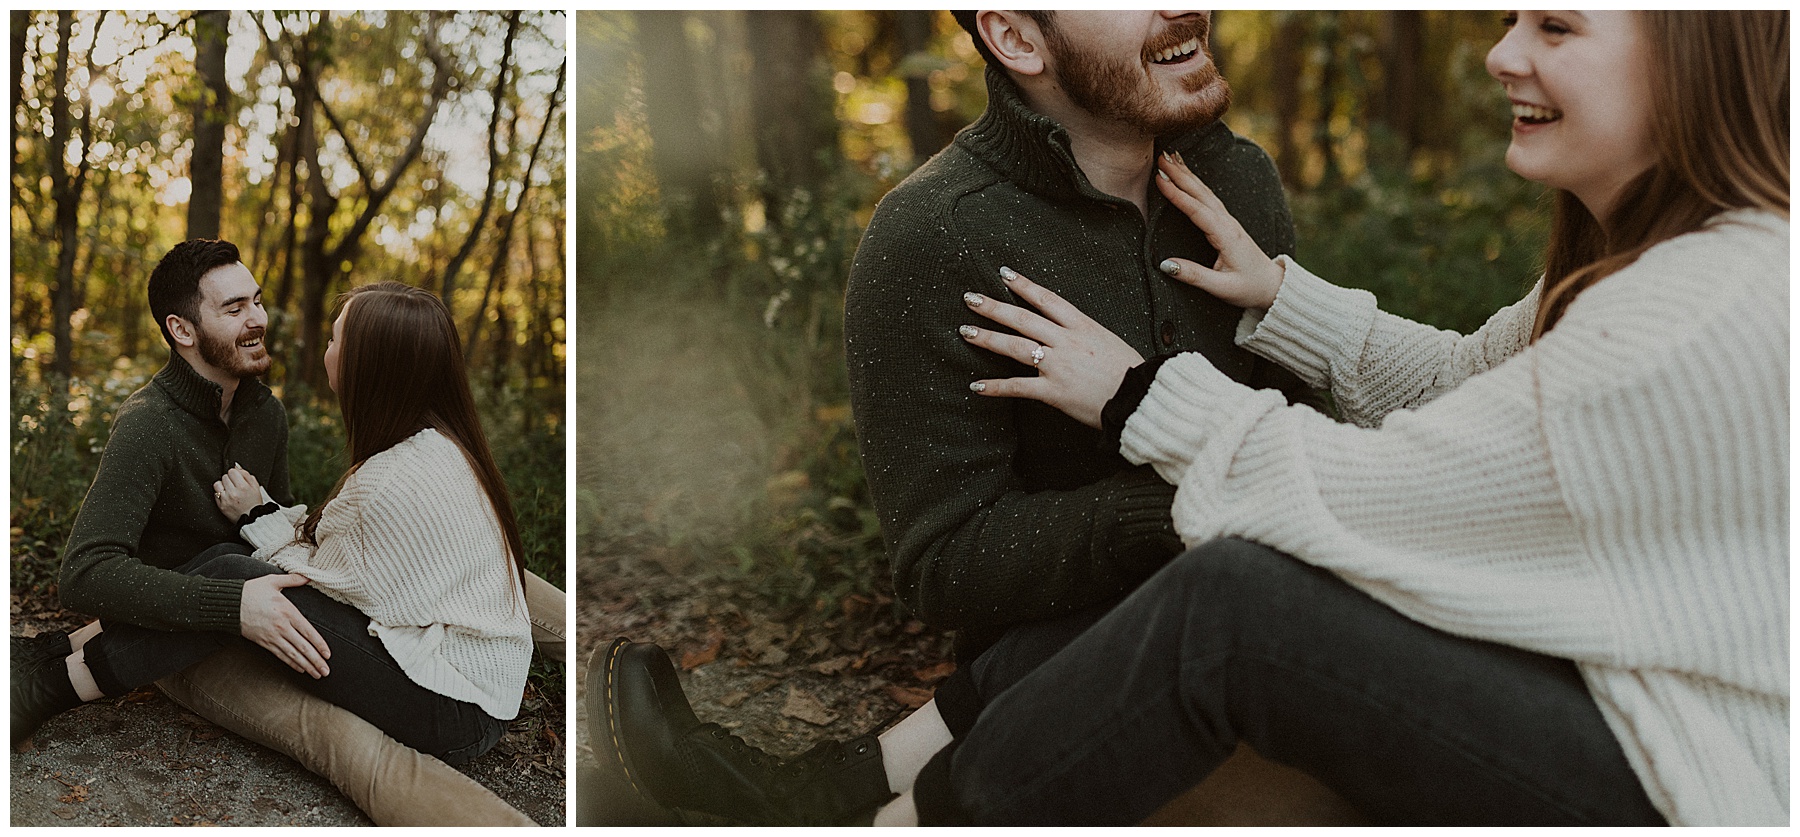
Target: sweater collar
[
  {"x": 199, "y": 396},
  {"x": 1033, "y": 151}
]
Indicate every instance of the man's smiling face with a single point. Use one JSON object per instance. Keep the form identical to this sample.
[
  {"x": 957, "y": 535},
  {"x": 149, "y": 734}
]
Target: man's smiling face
[
  {"x": 232, "y": 322},
  {"x": 1146, "y": 70}
]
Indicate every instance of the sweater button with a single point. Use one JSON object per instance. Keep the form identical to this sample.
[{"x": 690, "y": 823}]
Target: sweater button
[{"x": 1168, "y": 333}]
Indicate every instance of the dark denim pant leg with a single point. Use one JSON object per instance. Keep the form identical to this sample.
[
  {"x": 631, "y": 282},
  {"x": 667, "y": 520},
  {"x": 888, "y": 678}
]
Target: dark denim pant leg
[
  {"x": 1233, "y": 641},
  {"x": 1018, "y": 651},
  {"x": 124, "y": 656},
  {"x": 364, "y": 678}
]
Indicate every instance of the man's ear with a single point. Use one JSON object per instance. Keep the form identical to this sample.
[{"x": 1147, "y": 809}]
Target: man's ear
[
  {"x": 181, "y": 330},
  {"x": 1014, "y": 39}
]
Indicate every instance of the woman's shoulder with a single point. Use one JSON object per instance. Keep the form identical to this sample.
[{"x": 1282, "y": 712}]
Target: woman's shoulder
[
  {"x": 1735, "y": 257},
  {"x": 425, "y": 460}
]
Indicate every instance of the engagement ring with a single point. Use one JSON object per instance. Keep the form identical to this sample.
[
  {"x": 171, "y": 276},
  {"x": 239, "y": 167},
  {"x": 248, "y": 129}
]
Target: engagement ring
[{"x": 1037, "y": 355}]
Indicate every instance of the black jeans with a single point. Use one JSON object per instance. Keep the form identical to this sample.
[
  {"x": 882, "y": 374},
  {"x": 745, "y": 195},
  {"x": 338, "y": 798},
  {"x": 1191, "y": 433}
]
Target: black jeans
[
  {"x": 1236, "y": 642},
  {"x": 364, "y": 677}
]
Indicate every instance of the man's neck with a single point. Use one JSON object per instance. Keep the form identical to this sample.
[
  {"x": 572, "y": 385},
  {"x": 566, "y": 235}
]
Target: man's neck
[
  {"x": 227, "y": 382},
  {"x": 1117, "y": 160}
]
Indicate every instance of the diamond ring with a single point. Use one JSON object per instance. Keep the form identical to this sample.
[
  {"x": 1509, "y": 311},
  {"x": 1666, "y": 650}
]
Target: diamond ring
[{"x": 1037, "y": 355}]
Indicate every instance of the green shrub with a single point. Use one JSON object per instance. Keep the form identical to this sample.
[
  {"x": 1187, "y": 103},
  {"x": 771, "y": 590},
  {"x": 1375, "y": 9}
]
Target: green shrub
[{"x": 60, "y": 429}]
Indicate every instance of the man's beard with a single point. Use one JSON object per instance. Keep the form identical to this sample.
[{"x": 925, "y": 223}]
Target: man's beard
[
  {"x": 224, "y": 354},
  {"x": 1119, "y": 90}
]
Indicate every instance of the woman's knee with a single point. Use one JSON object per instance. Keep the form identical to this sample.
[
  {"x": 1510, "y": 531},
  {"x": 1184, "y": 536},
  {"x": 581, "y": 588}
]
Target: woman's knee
[{"x": 1232, "y": 569}]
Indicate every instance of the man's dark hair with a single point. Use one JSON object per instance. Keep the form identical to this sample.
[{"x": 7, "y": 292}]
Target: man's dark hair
[
  {"x": 175, "y": 283},
  {"x": 967, "y": 21}
]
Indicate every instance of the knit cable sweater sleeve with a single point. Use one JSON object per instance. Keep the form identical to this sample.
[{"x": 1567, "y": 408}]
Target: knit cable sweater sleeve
[
  {"x": 1615, "y": 494},
  {"x": 101, "y": 574},
  {"x": 1374, "y": 362}
]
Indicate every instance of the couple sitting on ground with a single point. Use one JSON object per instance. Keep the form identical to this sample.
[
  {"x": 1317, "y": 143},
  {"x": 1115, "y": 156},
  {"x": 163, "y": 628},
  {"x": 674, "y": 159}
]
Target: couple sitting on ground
[
  {"x": 400, "y": 605},
  {"x": 1538, "y": 576}
]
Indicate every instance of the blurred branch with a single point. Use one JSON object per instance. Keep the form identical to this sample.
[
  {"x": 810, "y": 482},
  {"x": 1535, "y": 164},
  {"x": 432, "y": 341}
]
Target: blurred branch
[{"x": 448, "y": 282}]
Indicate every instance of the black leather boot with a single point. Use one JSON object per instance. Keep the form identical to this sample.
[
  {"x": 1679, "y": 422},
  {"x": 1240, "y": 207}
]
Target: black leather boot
[
  {"x": 40, "y": 683},
  {"x": 669, "y": 755}
]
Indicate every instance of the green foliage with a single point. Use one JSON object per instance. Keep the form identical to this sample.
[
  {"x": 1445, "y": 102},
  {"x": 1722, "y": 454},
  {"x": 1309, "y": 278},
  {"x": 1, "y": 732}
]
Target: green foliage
[
  {"x": 1446, "y": 251},
  {"x": 60, "y": 429},
  {"x": 815, "y": 537}
]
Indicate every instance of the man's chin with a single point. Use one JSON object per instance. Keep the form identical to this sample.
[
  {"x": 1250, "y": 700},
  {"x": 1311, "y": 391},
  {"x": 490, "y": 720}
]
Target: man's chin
[{"x": 254, "y": 366}]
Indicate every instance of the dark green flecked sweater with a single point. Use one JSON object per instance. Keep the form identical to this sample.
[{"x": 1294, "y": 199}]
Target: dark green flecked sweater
[
  {"x": 151, "y": 506},
  {"x": 1001, "y": 511}
]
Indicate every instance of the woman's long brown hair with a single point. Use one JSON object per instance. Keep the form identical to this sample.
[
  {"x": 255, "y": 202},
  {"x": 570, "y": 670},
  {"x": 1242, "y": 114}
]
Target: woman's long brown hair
[
  {"x": 400, "y": 370},
  {"x": 1720, "y": 83}
]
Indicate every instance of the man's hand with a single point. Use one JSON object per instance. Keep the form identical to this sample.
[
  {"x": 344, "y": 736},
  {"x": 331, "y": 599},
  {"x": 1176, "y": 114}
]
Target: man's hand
[
  {"x": 267, "y": 618},
  {"x": 237, "y": 492}
]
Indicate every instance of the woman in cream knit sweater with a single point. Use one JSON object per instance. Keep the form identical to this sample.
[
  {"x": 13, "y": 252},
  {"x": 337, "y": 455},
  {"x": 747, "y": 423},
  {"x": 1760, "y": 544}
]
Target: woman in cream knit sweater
[
  {"x": 408, "y": 574},
  {"x": 1542, "y": 575}
]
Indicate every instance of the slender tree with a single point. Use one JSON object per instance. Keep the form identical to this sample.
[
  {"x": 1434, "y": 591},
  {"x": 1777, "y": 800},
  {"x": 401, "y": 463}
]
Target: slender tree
[{"x": 212, "y": 106}]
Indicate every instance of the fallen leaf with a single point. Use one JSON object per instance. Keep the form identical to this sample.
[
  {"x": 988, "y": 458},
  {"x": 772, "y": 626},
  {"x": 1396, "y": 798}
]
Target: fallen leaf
[
  {"x": 834, "y": 666},
  {"x": 731, "y": 700},
  {"x": 691, "y": 660},
  {"x": 802, "y": 706},
  {"x": 932, "y": 674},
  {"x": 908, "y": 697}
]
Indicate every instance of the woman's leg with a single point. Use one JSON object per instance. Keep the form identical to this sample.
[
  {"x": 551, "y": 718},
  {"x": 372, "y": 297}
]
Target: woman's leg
[
  {"x": 366, "y": 680},
  {"x": 1234, "y": 642}
]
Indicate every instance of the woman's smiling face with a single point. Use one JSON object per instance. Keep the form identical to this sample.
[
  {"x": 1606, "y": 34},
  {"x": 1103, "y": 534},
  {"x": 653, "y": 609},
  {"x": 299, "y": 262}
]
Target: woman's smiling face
[{"x": 1579, "y": 83}]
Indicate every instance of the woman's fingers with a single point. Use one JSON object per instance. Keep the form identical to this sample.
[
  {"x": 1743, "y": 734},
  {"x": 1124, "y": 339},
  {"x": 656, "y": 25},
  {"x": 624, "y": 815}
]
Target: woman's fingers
[
  {"x": 1017, "y": 348},
  {"x": 1012, "y": 316},
  {"x": 1243, "y": 275},
  {"x": 1034, "y": 388},
  {"x": 1043, "y": 299}
]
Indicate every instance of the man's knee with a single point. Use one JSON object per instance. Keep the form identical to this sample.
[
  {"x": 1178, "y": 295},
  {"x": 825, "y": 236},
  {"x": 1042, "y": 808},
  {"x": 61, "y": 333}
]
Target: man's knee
[{"x": 228, "y": 560}]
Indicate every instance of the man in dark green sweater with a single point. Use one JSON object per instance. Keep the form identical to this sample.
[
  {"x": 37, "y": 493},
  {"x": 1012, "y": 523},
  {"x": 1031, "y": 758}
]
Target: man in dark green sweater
[
  {"x": 1004, "y": 519},
  {"x": 151, "y": 509}
]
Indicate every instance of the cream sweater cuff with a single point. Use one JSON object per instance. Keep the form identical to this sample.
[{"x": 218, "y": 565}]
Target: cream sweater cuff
[{"x": 1313, "y": 326}]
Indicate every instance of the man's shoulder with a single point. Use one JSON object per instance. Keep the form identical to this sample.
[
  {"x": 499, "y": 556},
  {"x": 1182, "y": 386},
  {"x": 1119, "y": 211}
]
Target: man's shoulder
[{"x": 934, "y": 189}]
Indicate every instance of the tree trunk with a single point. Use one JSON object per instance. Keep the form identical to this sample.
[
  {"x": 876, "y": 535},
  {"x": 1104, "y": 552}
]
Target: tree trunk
[
  {"x": 1329, "y": 31},
  {"x": 792, "y": 104},
  {"x": 1289, "y": 57},
  {"x": 684, "y": 161},
  {"x": 1403, "y": 51},
  {"x": 922, "y": 129},
  {"x": 21, "y": 29},
  {"x": 212, "y": 108},
  {"x": 67, "y": 197}
]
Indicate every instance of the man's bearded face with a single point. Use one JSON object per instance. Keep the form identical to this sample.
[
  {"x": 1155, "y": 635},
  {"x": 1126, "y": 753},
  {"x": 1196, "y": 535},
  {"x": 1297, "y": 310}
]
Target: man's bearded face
[
  {"x": 1163, "y": 83},
  {"x": 230, "y": 329},
  {"x": 229, "y": 352}
]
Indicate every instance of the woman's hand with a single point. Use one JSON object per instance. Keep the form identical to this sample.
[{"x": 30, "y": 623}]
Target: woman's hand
[
  {"x": 1242, "y": 276},
  {"x": 1079, "y": 362},
  {"x": 237, "y": 492}
]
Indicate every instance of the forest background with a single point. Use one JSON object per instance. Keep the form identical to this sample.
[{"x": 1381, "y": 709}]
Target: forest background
[
  {"x": 728, "y": 161},
  {"x": 335, "y": 149}
]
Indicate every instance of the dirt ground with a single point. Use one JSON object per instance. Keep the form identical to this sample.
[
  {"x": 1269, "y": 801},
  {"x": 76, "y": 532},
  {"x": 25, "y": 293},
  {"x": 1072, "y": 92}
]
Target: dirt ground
[
  {"x": 142, "y": 760},
  {"x": 780, "y": 683}
]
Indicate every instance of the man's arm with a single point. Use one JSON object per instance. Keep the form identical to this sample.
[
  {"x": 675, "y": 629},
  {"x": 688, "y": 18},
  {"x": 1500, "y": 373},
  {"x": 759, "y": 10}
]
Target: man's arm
[
  {"x": 101, "y": 574},
  {"x": 970, "y": 546}
]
